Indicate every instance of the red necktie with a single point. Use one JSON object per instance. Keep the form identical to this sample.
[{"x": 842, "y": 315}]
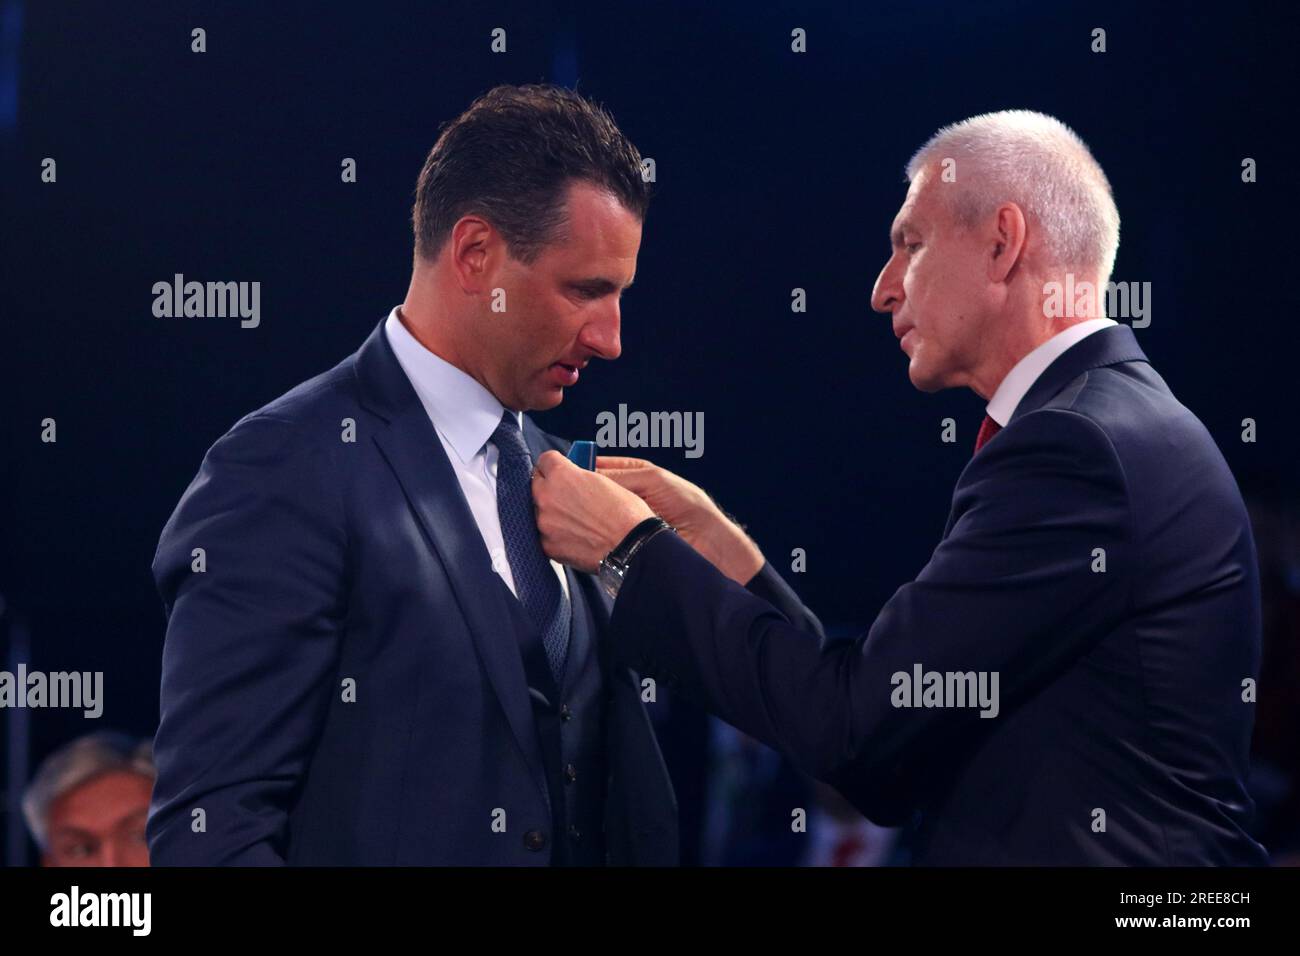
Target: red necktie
[
  {"x": 847, "y": 850},
  {"x": 988, "y": 429}
]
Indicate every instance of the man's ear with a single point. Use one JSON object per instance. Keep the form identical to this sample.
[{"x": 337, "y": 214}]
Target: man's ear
[
  {"x": 474, "y": 247},
  {"x": 1008, "y": 241}
]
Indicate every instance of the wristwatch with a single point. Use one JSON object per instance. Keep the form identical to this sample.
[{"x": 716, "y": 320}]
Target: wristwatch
[{"x": 613, "y": 567}]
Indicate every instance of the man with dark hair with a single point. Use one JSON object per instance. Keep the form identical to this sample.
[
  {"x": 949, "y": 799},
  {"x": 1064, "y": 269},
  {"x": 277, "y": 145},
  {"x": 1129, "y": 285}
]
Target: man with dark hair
[
  {"x": 504, "y": 157},
  {"x": 377, "y": 664}
]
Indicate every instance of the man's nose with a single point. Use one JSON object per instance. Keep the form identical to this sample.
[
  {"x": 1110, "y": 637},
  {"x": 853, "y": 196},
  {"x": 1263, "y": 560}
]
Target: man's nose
[
  {"x": 887, "y": 295},
  {"x": 601, "y": 335}
]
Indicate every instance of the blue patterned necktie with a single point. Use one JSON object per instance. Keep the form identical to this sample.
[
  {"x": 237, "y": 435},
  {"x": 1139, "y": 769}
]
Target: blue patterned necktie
[{"x": 536, "y": 583}]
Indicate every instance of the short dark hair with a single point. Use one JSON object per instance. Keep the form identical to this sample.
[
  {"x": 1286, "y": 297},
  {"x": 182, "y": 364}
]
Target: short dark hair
[{"x": 510, "y": 158}]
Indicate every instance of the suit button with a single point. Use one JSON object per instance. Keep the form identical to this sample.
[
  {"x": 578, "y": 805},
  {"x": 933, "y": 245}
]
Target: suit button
[
  {"x": 535, "y": 839},
  {"x": 570, "y": 773},
  {"x": 565, "y": 713},
  {"x": 575, "y": 834}
]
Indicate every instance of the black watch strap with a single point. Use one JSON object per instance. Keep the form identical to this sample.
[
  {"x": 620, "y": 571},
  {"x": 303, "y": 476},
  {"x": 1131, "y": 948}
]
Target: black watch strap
[
  {"x": 614, "y": 566},
  {"x": 635, "y": 538}
]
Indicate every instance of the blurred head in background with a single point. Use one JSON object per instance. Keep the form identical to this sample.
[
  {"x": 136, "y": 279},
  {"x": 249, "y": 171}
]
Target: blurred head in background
[{"x": 88, "y": 802}]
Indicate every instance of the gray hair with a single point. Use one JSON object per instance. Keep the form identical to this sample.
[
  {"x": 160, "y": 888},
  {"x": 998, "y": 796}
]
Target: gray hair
[
  {"x": 1041, "y": 165},
  {"x": 74, "y": 764}
]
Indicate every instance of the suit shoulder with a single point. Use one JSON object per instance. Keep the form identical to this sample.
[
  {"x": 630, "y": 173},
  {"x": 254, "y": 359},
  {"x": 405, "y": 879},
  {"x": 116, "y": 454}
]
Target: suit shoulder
[
  {"x": 1163, "y": 450},
  {"x": 1139, "y": 414},
  {"x": 319, "y": 396},
  {"x": 317, "y": 405}
]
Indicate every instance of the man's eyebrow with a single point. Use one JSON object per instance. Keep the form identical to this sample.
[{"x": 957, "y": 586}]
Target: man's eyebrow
[
  {"x": 896, "y": 234},
  {"x": 599, "y": 285},
  {"x": 72, "y": 830}
]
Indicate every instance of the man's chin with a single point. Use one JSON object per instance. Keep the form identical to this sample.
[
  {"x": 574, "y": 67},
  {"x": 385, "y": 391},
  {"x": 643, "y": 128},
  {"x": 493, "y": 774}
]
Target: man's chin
[
  {"x": 921, "y": 379},
  {"x": 546, "y": 398}
]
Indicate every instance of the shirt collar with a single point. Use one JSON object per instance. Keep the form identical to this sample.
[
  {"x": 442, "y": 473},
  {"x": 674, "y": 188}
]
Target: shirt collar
[
  {"x": 461, "y": 409},
  {"x": 1025, "y": 372}
]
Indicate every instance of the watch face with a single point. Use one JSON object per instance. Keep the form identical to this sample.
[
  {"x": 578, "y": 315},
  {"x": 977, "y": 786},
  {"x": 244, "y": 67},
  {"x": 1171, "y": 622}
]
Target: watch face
[{"x": 611, "y": 578}]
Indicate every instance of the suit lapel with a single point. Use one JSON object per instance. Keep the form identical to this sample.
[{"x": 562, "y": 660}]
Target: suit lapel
[
  {"x": 638, "y": 773},
  {"x": 413, "y": 450},
  {"x": 539, "y": 441}
]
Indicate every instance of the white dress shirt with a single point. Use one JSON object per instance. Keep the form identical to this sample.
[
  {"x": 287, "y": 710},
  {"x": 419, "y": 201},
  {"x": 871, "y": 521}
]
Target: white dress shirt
[
  {"x": 1026, "y": 372},
  {"x": 464, "y": 414}
]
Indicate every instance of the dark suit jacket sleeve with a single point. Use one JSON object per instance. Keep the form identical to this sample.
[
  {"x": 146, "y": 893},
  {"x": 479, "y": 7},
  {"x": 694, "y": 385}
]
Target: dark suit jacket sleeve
[
  {"x": 1010, "y": 590},
  {"x": 772, "y": 588},
  {"x": 252, "y": 642}
]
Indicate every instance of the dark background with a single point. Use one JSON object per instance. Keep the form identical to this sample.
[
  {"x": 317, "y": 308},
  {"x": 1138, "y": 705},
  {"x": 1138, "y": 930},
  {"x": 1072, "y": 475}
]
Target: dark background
[{"x": 774, "y": 170}]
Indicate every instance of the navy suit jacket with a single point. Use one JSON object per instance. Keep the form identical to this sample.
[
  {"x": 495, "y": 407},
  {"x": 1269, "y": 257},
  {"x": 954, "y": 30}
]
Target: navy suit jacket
[
  {"x": 1122, "y": 735},
  {"x": 325, "y": 561}
]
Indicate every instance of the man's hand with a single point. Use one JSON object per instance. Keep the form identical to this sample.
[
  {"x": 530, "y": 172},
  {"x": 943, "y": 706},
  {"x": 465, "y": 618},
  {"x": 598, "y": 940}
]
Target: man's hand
[
  {"x": 581, "y": 516},
  {"x": 690, "y": 510}
]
